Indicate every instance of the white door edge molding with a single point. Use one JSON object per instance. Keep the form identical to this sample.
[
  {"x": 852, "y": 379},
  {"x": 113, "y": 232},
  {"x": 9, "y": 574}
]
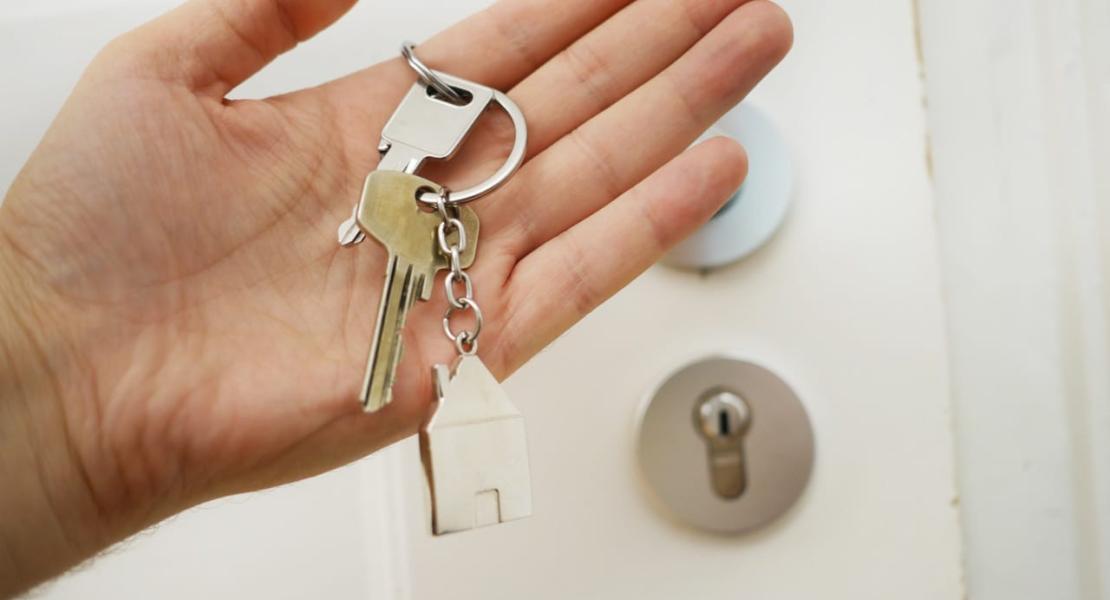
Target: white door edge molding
[
  {"x": 389, "y": 569},
  {"x": 1018, "y": 95}
]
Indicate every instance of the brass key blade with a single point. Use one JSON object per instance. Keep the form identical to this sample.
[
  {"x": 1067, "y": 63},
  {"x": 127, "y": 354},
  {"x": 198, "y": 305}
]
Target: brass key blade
[
  {"x": 389, "y": 213},
  {"x": 398, "y": 295}
]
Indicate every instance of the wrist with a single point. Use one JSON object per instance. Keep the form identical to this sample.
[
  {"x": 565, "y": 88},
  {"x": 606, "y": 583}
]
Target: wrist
[{"x": 49, "y": 519}]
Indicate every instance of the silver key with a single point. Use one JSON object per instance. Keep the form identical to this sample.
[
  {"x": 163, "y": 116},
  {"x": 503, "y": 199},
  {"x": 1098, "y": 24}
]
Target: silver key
[
  {"x": 423, "y": 127},
  {"x": 474, "y": 451},
  {"x": 389, "y": 213}
]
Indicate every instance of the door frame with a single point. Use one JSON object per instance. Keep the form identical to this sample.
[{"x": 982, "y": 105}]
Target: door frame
[{"x": 1018, "y": 101}]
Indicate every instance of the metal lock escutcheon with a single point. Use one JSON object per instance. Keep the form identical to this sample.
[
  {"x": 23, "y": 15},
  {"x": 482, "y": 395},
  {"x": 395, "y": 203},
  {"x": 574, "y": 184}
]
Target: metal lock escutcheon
[{"x": 725, "y": 445}]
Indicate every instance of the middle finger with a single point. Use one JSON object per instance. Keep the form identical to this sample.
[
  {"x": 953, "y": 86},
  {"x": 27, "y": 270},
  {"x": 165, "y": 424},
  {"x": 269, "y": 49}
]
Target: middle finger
[
  {"x": 605, "y": 156},
  {"x": 612, "y": 60},
  {"x": 584, "y": 79}
]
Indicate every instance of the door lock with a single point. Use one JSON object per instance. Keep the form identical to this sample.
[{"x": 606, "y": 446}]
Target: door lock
[
  {"x": 722, "y": 418},
  {"x": 725, "y": 445}
]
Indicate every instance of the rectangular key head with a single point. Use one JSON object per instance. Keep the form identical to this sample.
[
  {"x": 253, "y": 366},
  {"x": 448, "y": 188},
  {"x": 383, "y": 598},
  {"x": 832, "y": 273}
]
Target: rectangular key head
[
  {"x": 474, "y": 451},
  {"x": 433, "y": 127},
  {"x": 390, "y": 213}
]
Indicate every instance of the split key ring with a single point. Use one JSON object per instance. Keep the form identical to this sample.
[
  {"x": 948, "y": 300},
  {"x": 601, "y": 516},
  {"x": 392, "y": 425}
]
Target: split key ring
[{"x": 450, "y": 90}]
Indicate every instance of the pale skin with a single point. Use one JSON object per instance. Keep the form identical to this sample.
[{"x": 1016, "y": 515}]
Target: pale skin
[{"x": 177, "y": 322}]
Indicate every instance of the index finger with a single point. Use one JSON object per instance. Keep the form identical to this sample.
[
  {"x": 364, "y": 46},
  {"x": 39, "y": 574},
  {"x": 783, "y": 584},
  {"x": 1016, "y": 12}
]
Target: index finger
[{"x": 502, "y": 44}]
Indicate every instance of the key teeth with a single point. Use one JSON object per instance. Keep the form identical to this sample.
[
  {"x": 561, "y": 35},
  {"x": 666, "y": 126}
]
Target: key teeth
[{"x": 423, "y": 284}]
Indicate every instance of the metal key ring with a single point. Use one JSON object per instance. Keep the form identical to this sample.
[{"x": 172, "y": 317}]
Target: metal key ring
[
  {"x": 510, "y": 166},
  {"x": 429, "y": 76},
  {"x": 516, "y": 154}
]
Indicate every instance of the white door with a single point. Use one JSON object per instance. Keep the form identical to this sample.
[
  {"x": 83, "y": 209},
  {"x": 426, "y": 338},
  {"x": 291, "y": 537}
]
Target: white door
[{"x": 847, "y": 304}]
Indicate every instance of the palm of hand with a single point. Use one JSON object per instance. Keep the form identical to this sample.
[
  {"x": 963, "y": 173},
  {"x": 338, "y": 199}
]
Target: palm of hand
[{"x": 189, "y": 242}]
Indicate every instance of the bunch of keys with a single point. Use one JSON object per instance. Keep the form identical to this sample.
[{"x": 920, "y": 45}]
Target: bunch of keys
[{"x": 473, "y": 446}]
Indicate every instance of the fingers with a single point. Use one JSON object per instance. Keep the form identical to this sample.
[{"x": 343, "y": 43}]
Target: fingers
[
  {"x": 586, "y": 77},
  {"x": 502, "y": 44},
  {"x": 611, "y": 61},
  {"x": 496, "y": 47},
  {"x": 212, "y": 46},
  {"x": 589, "y": 262},
  {"x": 614, "y": 150}
]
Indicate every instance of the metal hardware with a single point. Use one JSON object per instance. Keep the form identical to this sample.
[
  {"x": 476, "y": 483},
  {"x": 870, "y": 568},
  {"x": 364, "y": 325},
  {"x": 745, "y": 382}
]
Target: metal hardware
[
  {"x": 435, "y": 129},
  {"x": 722, "y": 418},
  {"x": 725, "y": 445},
  {"x": 425, "y": 127},
  {"x": 388, "y": 213},
  {"x": 473, "y": 444},
  {"x": 466, "y": 341},
  {"x": 428, "y": 76},
  {"x": 507, "y": 168},
  {"x": 474, "y": 451},
  {"x": 473, "y": 447}
]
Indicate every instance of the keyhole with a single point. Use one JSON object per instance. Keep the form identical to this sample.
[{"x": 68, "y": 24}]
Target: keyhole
[{"x": 722, "y": 418}]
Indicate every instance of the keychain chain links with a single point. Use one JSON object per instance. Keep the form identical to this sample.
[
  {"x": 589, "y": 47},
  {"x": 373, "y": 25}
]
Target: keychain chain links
[{"x": 466, "y": 341}]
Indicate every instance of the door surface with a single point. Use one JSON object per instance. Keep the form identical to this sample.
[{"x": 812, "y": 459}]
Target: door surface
[{"x": 845, "y": 304}]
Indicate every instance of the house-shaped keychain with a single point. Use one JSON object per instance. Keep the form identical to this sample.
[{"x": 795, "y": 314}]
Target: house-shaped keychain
[{"x": 474, "y": 451}]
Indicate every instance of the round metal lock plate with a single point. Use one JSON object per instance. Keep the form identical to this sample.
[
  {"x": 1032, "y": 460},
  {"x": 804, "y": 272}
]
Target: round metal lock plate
[{"x": 676, "y": 456}]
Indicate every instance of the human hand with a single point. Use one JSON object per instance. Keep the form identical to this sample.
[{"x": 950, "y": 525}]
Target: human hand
[{"x": 181, "y": 322}]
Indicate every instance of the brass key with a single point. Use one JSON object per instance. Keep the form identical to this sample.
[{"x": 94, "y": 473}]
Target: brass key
[{"x": 389, "y": 212}]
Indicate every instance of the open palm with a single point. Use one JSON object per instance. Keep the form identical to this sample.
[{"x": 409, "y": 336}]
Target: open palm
[{"x": 185, "y": 244}]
